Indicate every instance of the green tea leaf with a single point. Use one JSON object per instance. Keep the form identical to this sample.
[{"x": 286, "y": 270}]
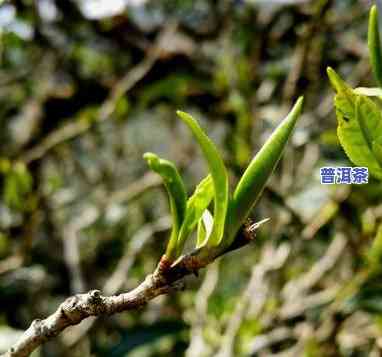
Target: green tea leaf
[
  {"x": 369, "y": 117},
  {"x": 375, "y": 45},
  {"x": 196, "y": 205},
  {"x": 177, "y": 196},
  {"x": 201, "y": 234},
  {"x": 256, "y": 175},
  {"x": 205, "y": 225},
  {"x": 359, "y": 126},
  {"x": 218, "y": 174}
]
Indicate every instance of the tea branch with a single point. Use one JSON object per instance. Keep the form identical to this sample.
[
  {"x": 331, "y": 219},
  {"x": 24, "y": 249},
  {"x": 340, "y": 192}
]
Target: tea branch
[{"x": 166, "y": 278}]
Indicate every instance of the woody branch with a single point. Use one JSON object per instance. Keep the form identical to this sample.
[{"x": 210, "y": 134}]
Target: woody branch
[{"x": 166, "y": 278}]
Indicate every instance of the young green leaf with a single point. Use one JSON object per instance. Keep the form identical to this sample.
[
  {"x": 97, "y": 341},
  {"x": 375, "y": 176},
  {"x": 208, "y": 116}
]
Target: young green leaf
[
  {"x": 359, "y": 126},
  {"x": 256, "y": 175},
  {"x": 196, "y": 205},
  {"x": 218, "y": 174},
  {"x": 369, "y": 117},
  {"x": 201, "y": 234},
  {"x": 205, "y": 225},
  {"x": 177, "y": 196},
  {"x": 374, "y": 44}
]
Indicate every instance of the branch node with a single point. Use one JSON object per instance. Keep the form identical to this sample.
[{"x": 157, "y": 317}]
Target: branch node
[
  {"x": 69, "y": 309},
  {"x": 95, "y": 296},
  {"x": 36, "y": 324},
  {"x": 164, "y": 265}
]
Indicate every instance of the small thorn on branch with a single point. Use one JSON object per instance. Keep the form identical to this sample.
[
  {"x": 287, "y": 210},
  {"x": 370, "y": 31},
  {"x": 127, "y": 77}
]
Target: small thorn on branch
[
  {"x": 250, "y": 228},
  {"x": 256, "y": 225}
]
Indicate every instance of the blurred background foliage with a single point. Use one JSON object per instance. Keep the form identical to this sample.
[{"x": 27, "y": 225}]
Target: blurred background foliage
[{"x": 87, "y": 86}]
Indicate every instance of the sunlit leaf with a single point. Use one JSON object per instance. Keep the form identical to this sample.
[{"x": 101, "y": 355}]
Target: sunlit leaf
[
  {"x": 218, "y": 174},
  {"x": 256, "y": 175},
  {"x": 205, "y": 225},
  {"x": 177, "y": 196},
  {"x": 359, "y": 126},
  {"x": 196, "y": 205}
]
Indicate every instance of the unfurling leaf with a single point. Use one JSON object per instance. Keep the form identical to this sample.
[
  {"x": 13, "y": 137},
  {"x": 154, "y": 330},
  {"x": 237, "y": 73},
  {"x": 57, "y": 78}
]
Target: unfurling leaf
[
  {"x": 196, "y": 205},
  {"x": 219, "y": 177},
  {"x": 256, "y": 175},
  {"x": 359, "y": 126},
  {"x": 205, "y": 225},
  {"x": 177, "y": 196}
]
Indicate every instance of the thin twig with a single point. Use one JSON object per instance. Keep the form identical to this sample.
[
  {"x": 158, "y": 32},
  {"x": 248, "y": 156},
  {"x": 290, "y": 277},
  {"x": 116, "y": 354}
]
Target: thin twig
[
  {"x": 118, "y": 278},
  {"x": 127, "y": 82},
  {"x": 263, "y": 341},
  {"x": 70, "y": 237},
  {"x": 197, "y": 346},
  {"x": 133, "y": 190},
  {"x": 11, "y": 263},
  {"x": 271, "y": 259},
  {"x": 300, "y": 286},
  {"x": 115, "y": 282}
]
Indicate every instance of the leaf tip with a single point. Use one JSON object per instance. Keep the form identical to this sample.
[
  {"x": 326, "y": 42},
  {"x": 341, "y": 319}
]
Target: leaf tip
[
  {"x": 299, "y": 104},
  {"x": 337, "y": 83},
  {"x": 295, "y": 113},
  {"x": 187, "y": 118},
  {"x": 329, "y": 70},
  {"x": 373, "y": 12},
  {"x": 333, "y": 77},
  {"x": 151, "y": 158}
]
